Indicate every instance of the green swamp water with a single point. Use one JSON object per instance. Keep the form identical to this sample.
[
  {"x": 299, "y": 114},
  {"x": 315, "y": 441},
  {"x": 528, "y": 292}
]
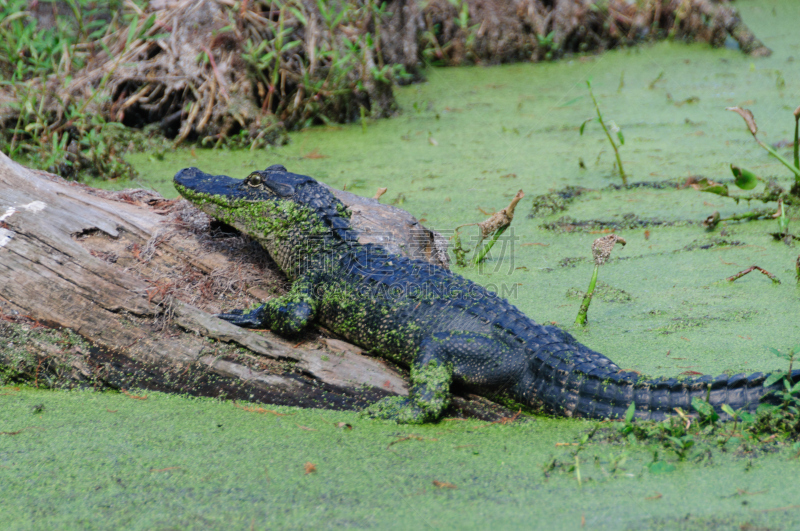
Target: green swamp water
[
  {"x": 105, "y": 461},
  {"x": 469, "y": 138}
]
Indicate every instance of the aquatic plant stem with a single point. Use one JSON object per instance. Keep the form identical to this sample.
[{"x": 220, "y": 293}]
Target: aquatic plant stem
[
  {"x": 488, "y": 247},
  {"x": 785, "y": 162},
  {"x": 581, "y": 318},
  {"x": 608, "y": 134}
]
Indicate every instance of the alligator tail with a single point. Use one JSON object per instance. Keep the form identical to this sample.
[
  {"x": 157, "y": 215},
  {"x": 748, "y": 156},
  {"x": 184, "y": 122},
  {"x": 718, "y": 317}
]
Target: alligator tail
[{"x": 572, "y": 380}]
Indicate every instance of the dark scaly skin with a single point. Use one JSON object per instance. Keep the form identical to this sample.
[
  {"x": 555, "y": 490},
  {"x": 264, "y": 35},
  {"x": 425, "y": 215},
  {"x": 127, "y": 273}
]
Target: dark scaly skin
[{"x": 445, "y": 328}]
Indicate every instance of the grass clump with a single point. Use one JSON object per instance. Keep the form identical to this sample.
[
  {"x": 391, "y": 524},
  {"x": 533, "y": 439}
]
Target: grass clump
[
  {"x": 69, "y": 87},
  {"x": 36, "y": 62}
]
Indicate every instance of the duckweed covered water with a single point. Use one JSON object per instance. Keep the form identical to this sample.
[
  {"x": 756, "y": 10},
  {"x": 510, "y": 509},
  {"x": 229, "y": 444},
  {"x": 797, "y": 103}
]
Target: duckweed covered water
[{"x": 107, "y": 461}]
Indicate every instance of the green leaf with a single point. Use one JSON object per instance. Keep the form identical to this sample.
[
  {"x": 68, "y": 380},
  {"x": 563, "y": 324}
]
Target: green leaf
[
  {"x": 583, "y": 125},
  {"x": 96, "y": 34},
  {"x": 299, "y": 15},
  {"x": 795, "y": 388},
  {"x": 291, "y": 45},
  {"x": 147, "y": 25},
  {"x": 746, "y": 417},
  {"x": 772, "y": 379},
  {"x": 704, "y": 185},
  {"x": 702, "y": 407},
  {"x": 729, "y": 410},
  {"x": 621, "y": 138},
  {"x": 745, "y": 179},
  {"x": 629, "y": 413},
  {"x": 131, "y": 33}
]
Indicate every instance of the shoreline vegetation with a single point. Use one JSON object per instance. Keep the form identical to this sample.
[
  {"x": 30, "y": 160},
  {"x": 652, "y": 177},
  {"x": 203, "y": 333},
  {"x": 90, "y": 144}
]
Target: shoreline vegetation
[{"x": 86, "y": 82}]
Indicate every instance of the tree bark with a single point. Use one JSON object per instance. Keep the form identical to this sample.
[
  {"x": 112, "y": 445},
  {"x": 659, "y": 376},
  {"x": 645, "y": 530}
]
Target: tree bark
[{"x": 118, "y": 290}]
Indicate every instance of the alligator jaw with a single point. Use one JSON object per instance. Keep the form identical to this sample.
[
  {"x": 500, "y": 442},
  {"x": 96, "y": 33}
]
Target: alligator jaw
[{"x": 193, "y": 183}]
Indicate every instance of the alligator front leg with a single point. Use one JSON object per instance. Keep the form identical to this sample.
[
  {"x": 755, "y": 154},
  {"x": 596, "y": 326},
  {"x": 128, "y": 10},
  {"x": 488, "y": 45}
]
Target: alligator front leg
[
  {"x": 429, "y": 396},
  {"x": 287, "y": 315}
]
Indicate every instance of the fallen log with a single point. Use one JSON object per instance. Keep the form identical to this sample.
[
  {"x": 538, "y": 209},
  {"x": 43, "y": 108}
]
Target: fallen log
[{"x": 118, "y": 290}]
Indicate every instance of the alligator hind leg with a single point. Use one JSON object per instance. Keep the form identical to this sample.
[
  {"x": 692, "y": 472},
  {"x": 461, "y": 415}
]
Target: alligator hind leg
[
  {"x": 287, "y": 315},
  {"x": 439, "y": 358},
  {"x": 428, "y": 397}
]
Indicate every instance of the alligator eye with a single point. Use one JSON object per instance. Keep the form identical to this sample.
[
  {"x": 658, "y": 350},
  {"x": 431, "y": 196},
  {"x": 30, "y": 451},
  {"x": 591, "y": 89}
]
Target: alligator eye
[{"x": 254, "y": 179}]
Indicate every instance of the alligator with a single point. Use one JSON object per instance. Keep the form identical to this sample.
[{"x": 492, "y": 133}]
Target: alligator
[{"x": 445, "y": 328}]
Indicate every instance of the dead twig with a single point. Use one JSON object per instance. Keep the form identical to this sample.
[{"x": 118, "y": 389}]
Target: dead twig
[{"x": 740, "y": 274}]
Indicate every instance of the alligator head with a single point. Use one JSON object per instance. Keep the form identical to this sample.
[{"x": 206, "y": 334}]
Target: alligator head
[{"x": 290, "y": 215}]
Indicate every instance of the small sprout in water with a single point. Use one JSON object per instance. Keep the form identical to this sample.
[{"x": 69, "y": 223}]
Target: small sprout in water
[
  {"x": 753, "y": 128},
  {"x": 601, "y": 251},
  {"x": 612, "y": 128},
  {"x": 747, "y": 180}
]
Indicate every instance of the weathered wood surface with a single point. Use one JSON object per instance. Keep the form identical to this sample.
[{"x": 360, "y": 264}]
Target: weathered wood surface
[{"x": 114, "y": 289}]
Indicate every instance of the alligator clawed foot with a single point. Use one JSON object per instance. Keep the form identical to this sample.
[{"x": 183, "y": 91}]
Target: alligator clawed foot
[
  {"x": 400, "y": 409},
  {"x": 246, "y": 319}
]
